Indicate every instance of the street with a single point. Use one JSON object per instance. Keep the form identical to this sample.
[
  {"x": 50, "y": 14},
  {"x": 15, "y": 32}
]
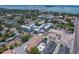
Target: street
[
  {"x": 76, "y": 39},
  {"x": 20, "y": 49}
]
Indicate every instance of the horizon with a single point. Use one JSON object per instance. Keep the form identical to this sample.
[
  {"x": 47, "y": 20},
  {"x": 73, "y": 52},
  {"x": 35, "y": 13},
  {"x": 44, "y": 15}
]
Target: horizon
[{"x": 71, "y": 9}]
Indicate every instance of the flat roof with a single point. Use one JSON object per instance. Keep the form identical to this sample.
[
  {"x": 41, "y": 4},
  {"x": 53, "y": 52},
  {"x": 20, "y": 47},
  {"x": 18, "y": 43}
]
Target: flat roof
[{"x": 50, "y": 47}]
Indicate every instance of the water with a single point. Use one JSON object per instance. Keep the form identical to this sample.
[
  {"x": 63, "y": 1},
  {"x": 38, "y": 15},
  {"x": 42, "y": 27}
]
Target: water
[{"x": 66, "y": 9}]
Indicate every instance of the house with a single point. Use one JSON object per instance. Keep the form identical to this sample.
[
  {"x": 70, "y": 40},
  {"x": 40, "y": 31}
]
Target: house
[
  {"x": 2, "y": 32},
  {"x": 50, "y": 47},
  {"x": 51, "y": 35},
  {"x": 59, "y": 32},
  {"x": 41, "y": 46},
  {"x": 9, "y": 52},
  {"x": 46, "y": 16},
  {"x": 59, "y": 20},
  {"x": 10, "y": 39},
  {"x": 62, "y": 36},
  {"x": 39, "y": 29},
  {"x": 2, "y": 44},
  {"x": 59, "y": 17},
  {"x": 16, "y": 41},
  {"x": 26, "y": 28},
  {"x": 34, "y": 42},
  {"x": 42, "y": 26},
  {"x": 11, "y": 22},
  {"x": 36, "y": 30},
  {"x": 48, "y": 26}
]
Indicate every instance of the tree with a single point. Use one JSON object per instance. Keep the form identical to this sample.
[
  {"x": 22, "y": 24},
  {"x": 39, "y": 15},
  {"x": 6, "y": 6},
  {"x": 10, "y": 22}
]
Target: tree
[
  {"x": 45, "y": 38},
  {"x": 12, "y": 46},
  {"x": 25, "y": 38},
  {"x": 2, "y": 49},
  {"x": 34, "y": 50},
  {"x": 55, "y": 21},
  {"x": 69, "y": 26},
  {"x": 37, "y": 24},
  {"x": 46, "y": 20},
  {"x": 1, "y": 28}
]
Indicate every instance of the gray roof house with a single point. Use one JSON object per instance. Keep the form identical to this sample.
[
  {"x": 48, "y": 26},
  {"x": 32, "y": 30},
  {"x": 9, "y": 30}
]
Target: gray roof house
[
  {"x": 50, "y": 47},
  {"x": 2, "y": 44}
]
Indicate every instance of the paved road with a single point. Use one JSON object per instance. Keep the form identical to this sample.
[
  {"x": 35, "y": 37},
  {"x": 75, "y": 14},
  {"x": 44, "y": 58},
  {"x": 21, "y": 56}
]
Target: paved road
[
  {"x": 20, "y": 49},
  {"x": 76, "y": 40}
]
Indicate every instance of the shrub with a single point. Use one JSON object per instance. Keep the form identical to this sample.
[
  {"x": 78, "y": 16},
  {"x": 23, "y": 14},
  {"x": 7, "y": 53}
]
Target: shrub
[
  {"x": 2, "y": 49},
  {"x": 34, "y": 50}
]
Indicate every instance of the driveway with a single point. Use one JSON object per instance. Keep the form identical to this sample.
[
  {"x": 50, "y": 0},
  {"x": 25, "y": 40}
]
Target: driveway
[{"x": 20, "y": 49}]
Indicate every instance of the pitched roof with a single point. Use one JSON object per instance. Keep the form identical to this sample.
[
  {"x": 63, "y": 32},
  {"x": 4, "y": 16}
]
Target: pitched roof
[
  {"x": 8, "y": 52},
  {"x": 34, "y": 41}
]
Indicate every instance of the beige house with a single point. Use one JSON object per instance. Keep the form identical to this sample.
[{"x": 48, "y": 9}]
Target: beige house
[
  {"x": 64, "y": 37},
  {"x": 8, "y": 52},
  {"x": 34, "y": 41},
  {"x": 16, "y": 41}
]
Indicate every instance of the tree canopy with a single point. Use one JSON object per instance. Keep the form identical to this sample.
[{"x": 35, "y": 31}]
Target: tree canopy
[{"x": 34, "y": 50}]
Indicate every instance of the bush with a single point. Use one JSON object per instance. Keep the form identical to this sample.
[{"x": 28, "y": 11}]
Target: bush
[
  {"x": 25, "y": 38},
  {"x": 12, "y": 46},
  {"x": 34, "y": 50},
  {"x": 2, "y": 49},
  {"x": 1, "y": 28}
]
